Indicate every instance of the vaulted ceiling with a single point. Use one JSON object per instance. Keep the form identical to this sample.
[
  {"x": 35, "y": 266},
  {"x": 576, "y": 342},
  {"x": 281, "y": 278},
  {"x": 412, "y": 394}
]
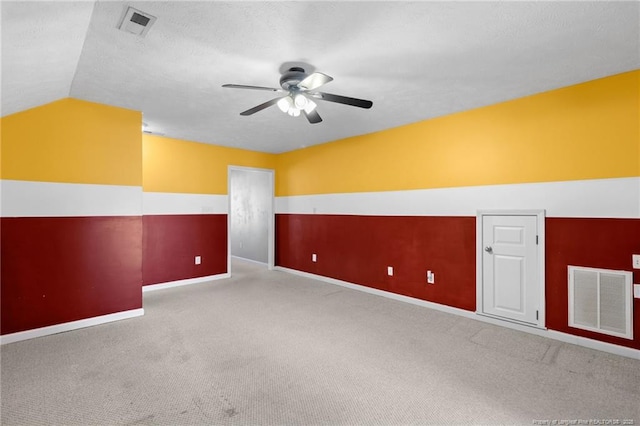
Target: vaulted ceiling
[{"x": 414, "y": 60}]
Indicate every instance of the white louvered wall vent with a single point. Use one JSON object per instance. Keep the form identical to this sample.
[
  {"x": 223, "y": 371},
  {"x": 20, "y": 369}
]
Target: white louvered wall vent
[
  {"x": 600, "y": 300},
  {"x": 136, "y": 22}
]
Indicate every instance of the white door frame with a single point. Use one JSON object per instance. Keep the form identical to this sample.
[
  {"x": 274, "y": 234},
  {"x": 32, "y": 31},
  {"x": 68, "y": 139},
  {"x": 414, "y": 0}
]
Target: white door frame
[
  {"x": 271, "y": 225},
  {"x": 540, "y": 220}
]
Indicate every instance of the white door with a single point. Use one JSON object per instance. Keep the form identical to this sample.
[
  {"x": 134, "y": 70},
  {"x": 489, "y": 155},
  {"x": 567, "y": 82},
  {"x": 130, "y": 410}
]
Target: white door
[{"x": 510, "y": 268}]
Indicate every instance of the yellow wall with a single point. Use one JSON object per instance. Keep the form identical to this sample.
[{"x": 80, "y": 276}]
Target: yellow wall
[
  {"x": 586, "y": 131},
  {"x": 73, "y": 141},
  {"x": 173, "y": 165},
  {"x": 0, "y": 147}
]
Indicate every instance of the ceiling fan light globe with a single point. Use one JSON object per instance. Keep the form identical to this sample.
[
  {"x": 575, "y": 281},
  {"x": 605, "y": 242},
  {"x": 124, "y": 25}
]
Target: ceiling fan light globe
[
  {"x": 294, "y": 112},
  {"x": 283, "y": 104},
  {"x": 310, "y": 106},
  {"x": 300, "y": 101}
]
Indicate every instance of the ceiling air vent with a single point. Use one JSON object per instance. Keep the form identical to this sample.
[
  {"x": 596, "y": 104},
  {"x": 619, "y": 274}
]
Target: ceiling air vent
[{"x": 136, "y": 22}]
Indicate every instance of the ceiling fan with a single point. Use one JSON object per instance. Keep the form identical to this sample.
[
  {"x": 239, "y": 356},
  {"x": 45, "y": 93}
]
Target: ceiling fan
[{"x": 299, "y": 89}]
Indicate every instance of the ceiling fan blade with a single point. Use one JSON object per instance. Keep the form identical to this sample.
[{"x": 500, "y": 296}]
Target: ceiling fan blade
[
  {"x": 362, "y": 103},
  {"x": 242, "y": 86},
  {"x": 312, "y": 116},
  {"x": 260, "y": 107},
  {"x": 315, "y": 80}
]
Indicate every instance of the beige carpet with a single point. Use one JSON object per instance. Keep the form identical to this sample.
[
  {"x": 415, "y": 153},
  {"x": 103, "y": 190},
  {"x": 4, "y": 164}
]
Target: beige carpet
[{"x": 269, "y": 348}]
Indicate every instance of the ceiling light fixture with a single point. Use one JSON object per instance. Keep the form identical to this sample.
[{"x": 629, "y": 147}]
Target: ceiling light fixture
[{"x": 294, "y": 104}]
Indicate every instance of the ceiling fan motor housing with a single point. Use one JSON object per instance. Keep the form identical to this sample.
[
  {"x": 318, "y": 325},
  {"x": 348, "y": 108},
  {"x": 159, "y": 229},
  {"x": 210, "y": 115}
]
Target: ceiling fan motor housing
[{"x": 292, "y": 78}]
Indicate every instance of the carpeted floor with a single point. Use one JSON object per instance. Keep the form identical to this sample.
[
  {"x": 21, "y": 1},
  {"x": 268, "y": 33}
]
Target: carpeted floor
[{"x": 270, "y": 348}]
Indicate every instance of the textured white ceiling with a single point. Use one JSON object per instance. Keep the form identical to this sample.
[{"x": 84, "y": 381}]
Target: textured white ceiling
[
  {"x": 41, "y": 45},
  {"x": 414, "y": 60}
]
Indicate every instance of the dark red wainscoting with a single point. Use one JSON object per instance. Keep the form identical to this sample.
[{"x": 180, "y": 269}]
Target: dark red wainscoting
[
  {"x": 171, "y": 243},
  {"x": 358, "y": 249},
  {"x": 57, "y": 270},
  {"x": 596, "y": 243}
]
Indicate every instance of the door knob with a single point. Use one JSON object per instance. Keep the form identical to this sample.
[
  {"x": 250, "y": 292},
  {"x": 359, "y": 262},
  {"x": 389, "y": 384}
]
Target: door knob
[{"x": 488, "y": 249}]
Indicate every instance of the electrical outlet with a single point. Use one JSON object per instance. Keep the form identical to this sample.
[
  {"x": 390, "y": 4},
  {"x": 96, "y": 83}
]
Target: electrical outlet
[
  {"x": 635, "y": 258},
  {"x": 431, "y": 277},
  {"x": 198, "y": 260},
  {"x": 314, "y": 257},
  {"x": 390, "y": 271},
  {"x": 636, "y": 291}
]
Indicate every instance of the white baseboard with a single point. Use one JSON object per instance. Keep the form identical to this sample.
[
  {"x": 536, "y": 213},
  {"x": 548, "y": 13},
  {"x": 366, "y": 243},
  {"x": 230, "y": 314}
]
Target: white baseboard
[
  {"x": 594, "y": 344},
  {"x": 250, "y": 260},
  {"x": 188, "y": 281},
  {"x": 383, "y": 293},
  {"x": 69, "y": 326},
  {"x": 551, "y": 334}
]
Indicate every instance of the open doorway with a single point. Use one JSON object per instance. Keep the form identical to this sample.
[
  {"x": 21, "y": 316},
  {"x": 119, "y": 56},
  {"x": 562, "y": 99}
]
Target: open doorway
[{"x": 251, "y": 221}]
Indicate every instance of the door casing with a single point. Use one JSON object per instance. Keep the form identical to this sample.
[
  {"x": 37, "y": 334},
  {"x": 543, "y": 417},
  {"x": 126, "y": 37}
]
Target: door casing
[{"x": 540, "y": 222}]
